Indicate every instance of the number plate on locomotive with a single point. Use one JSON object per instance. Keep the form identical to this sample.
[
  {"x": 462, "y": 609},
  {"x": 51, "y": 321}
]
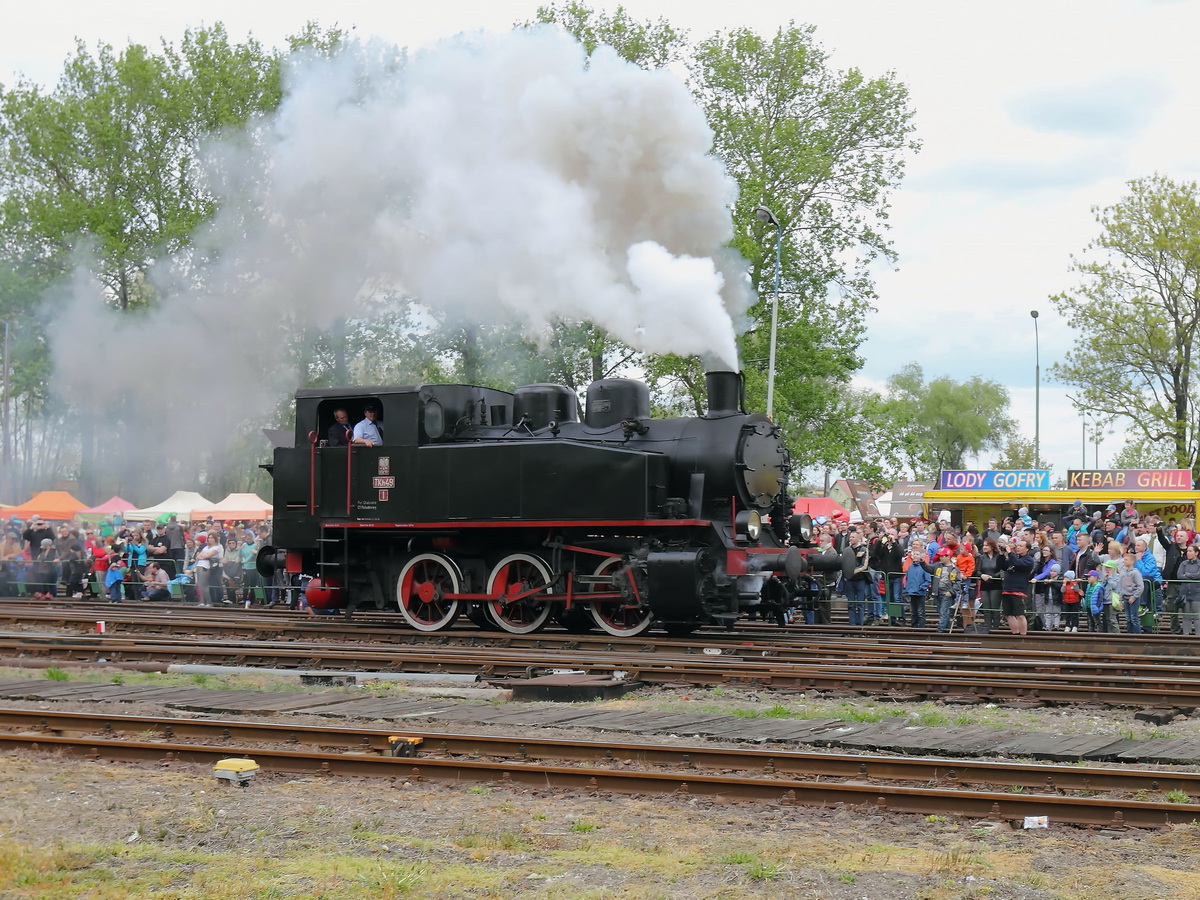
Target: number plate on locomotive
[{"x": 381, "y": 482}]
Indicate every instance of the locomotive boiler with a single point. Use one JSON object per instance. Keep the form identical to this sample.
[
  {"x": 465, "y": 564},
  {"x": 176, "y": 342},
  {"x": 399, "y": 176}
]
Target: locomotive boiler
[{"x": 515, "y": 509}]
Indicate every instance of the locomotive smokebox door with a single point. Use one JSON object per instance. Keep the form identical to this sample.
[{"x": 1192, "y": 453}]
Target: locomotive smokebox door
[
  {"x": 763, "y": 463},
  {"x": 674, "y": 583}
]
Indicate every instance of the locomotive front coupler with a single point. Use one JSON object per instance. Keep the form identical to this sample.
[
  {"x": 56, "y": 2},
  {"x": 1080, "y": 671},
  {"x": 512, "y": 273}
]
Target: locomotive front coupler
[{"x": 793, "y": 562}]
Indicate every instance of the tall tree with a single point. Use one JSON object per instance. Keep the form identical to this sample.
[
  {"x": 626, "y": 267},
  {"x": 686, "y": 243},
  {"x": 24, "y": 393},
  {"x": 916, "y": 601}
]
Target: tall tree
[
  {"x": 945, "y": 421},
  {"x": 650, "y": 45},
  {"x": 102, "y": 171},
  {"x": 106, "y": 161},
  {"x": 1136, "y": 314},
  {"x": 821, "y": 149},
  {"x": 1019, "y": 453}
]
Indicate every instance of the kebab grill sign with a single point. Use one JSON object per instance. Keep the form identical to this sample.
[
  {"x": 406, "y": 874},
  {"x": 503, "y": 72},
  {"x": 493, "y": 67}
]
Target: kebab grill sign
[{"x": 1130, "y": 479}]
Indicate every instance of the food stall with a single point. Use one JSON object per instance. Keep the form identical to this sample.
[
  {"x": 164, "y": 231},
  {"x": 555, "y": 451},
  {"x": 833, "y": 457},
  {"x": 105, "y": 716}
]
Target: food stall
[{"x": 976, "y": 495}]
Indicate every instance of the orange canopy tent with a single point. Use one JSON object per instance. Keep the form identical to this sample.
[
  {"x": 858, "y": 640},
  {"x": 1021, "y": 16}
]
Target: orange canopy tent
[
  {"x": 235, "y": 506},
  {"x": 53, "y": 506},
  {"x": 822, "y": 506},
  {"x": 113, "y": 506}
]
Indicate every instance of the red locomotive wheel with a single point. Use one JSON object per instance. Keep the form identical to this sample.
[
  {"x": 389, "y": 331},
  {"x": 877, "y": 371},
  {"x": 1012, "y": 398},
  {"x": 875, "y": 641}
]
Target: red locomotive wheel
[
  {"x": 526, "y": 578},
  {"x": 421, "y": 590},
  {"x": 616, "y": 616}
]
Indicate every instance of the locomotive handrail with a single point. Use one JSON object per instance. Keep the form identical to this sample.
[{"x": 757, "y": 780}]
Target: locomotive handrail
[
  {"x": 349, "y": 453},
  {"x": 312, "y": 473}
]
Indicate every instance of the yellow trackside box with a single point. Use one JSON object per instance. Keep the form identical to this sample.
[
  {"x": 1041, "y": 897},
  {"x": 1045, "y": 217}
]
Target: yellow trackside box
[
  {"x": 404, "y": 744},
  {"x": 238, "y": 771}
]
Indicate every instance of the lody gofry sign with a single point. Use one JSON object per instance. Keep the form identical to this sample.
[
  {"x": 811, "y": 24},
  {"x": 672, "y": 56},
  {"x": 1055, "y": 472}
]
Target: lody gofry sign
[{"x": 995, "y": 480}]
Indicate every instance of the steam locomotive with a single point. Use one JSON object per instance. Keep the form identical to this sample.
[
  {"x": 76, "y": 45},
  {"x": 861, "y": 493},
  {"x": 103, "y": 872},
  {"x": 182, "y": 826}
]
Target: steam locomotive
[{"x": 512, "y": 509}]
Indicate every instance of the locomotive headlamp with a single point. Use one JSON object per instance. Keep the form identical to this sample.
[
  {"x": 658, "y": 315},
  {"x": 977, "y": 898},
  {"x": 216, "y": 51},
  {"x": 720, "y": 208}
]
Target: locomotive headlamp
[{"x": 749, "y": 525}]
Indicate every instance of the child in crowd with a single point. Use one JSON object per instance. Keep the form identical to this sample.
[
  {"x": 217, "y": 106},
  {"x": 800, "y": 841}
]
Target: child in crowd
[
  {"x": 1097, "y": 603},
  {"x": 967, "y": 604},
  {"x": 114, "y": 577},
  {"x": 948, "y": 584},
  {"x": 1070, "y": 602},
  {"x": 916, "y": 582}
]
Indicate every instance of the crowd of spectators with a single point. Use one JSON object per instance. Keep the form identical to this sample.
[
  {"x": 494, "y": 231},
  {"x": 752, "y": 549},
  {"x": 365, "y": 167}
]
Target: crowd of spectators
[
  {"x": 1102, "y": 570},
  {"x": 209, "y": 562}
]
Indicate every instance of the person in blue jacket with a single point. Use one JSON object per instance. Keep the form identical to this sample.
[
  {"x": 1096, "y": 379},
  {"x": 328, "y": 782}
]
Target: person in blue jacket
[
  {"x": 917, "y": 579},
  {"x": 1145, "y": 563}
]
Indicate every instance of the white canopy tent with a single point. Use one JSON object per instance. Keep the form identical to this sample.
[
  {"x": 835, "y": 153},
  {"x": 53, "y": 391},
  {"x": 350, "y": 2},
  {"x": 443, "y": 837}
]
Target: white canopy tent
[
  {"x": 180, "y": 504},
  {"x": 246, "y": 507}
]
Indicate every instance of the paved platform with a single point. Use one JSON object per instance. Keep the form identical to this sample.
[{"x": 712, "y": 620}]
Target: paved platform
[{"x": 889, "y": 736}]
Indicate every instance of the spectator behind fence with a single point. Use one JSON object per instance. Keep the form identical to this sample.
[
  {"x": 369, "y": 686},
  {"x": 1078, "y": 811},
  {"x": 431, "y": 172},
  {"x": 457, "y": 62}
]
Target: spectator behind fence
[
  {"x": 156, "y": 583},
  {"x": 1189, "y": 591},
  {"x": 1127, "y": 583},
  {"x": 1018, "y": 569},
  {"x": 10, "y": 560}
]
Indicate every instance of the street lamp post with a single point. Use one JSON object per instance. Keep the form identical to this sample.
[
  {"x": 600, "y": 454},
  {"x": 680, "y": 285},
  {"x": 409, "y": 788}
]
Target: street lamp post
[
  {"x": 1037, "y": 393},
  {"x": 767, "y": 217}
]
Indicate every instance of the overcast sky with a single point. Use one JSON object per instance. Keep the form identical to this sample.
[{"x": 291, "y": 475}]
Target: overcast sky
[{"x": 1030, "y": 114}]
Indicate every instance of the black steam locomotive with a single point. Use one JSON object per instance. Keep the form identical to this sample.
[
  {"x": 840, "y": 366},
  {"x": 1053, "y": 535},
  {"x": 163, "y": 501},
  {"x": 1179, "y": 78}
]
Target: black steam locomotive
[{"x": 510, "y": 508}]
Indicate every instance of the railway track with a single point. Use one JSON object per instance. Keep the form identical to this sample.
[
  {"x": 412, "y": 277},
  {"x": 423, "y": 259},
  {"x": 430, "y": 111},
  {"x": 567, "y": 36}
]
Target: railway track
[
  {"x": 177, "y": 618},
  {"x": 895, "y": 671},
  {"x": 1096, "y": 796}
]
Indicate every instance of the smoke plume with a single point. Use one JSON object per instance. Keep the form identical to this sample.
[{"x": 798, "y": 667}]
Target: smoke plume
[{"x": 494, "y": 174}]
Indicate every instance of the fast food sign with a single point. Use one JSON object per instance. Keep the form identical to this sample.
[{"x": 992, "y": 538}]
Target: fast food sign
[
  {"x": 1130, "y": 479},
  {"x": 995, "y": 480}
]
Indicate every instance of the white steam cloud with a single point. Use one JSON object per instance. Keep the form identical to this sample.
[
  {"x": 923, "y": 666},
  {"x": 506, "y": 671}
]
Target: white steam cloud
[{"x": 504, "y": 175}]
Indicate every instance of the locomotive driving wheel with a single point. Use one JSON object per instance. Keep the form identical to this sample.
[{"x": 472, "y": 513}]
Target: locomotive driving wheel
[
  {"x": 522, "y": 579},
  {"x": 619, "y": 617},
  {"x": 421, "y": 590}
]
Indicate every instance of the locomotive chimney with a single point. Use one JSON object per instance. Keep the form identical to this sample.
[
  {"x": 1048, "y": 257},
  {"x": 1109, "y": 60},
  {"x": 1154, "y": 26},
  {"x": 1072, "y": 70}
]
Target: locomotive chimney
[{"x": 724, "y": 393}]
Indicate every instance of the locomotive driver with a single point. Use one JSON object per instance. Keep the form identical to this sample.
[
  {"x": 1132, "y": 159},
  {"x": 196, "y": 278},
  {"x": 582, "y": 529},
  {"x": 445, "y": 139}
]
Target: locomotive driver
[{"x": 366, "y": 432}]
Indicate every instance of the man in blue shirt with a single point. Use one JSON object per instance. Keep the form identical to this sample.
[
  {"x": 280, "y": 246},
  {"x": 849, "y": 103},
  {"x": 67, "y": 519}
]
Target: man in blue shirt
[{"x": 366, "y": 432}]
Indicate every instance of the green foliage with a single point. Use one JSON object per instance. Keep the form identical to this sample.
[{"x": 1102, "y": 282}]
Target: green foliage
[
  {"x": 54, "y": 673},
  {"x": 107, "y": 159},
  {"x": 1136, "y": 313},
  {"x": 943, "y": 421},
  {"x": 763, "y": 871},
  {"x": 1141, "y": 453},
  {"x": 650, "y": 45},
  {"x": 1018, "y": 453},
  {"x": 821, "y": 148}
]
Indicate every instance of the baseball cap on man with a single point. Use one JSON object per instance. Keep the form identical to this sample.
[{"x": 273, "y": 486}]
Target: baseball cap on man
[{"x": 1093, "y": 572}]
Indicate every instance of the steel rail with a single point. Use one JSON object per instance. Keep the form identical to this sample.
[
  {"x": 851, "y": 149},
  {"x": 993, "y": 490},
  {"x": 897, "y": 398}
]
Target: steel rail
[
  {"x": 754, "y": 655},
  {"x": 1148, "y": 643},
  {"x": 694, "y": 669},
  {"x": 1067, "y": 654},
  {"x": 894, "y": 798},
  {"x": 931, "y": 770}
]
